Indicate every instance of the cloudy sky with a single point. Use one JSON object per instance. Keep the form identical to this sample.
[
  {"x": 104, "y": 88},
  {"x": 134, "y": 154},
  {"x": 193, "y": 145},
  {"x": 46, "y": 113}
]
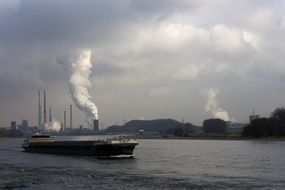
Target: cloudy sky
[{"x": 151, "y": 59}]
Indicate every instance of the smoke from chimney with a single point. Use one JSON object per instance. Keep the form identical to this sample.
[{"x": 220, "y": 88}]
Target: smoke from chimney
[
  {"x": 79, "y": 83},
  {"x": 212, "y": 104},
  {"x": 79, "y": 64},
  {"x": 54, "y": 125}
]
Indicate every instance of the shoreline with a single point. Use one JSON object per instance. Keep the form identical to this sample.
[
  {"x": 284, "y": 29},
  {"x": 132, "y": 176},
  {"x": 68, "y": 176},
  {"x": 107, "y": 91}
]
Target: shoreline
[
  {"x": 218, "y": 139},
  {"x": 231, "y": 138},
  {"x": 159, "y": 137}
]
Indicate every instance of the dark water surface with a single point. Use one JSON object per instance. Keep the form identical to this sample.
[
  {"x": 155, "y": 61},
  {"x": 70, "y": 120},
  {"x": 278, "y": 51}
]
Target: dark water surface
[{"x": 158, "y": 164}]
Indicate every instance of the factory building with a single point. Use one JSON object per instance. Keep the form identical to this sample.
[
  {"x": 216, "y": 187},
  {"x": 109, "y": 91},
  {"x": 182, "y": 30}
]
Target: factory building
[
  {"x": 24, "y": 127},
  {"x": 13, "y": 125},
  {"x": 253, "y": 117}
]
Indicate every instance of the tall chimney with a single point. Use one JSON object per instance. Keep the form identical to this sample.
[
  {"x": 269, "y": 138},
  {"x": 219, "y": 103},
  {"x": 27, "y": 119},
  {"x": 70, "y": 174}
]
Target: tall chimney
[
  {"x": 41, "y": 121},
  {"x": 39, "y": 110},
  {"x": 50, "y": 115},
  {"x": 96, "y": 125},
  {"x": 45, "y": 107},
  {"x": 70, "y": 116},
  {"x": 64, "y": 120}
]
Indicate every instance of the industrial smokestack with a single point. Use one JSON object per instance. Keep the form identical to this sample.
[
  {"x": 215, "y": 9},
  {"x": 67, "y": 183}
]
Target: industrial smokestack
[
  {"x": 41, "y": 121},
  {"x": 70, "y": 116},
  {"x": 45, "y": 107},
  {"x": 39, "y": 110},
  {"x": 64, "y": 120},
  {"x": 96, "y": 125},
  {"x": 50, "y": 115}
]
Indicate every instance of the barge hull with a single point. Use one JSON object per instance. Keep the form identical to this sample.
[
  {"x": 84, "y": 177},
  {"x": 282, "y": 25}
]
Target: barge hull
[{"x": 82, "y": 148}]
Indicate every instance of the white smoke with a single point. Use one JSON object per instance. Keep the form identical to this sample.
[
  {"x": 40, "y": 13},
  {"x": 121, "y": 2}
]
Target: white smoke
[
  {"x": 212, "y": 104},
  {"x": 54, "y": 125},
  {"x": 79, "y": 83}
]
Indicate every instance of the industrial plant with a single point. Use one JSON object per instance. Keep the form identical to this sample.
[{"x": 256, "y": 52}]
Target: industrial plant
[{"x": 50, "y": 125}]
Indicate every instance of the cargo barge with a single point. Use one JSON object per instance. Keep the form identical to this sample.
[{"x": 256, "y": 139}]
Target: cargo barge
[{"x": 117, "y": 146}]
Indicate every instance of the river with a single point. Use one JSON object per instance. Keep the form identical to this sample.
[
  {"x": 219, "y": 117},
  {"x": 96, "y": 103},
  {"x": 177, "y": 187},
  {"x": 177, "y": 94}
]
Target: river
[{"x": 158, "y": 164}]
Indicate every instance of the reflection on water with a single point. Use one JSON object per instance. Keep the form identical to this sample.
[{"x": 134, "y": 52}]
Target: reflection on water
[{"x": 158, "y": 164}]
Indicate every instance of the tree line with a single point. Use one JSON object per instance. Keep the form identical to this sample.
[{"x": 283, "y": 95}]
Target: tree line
[{"x": 266, "y": 127}]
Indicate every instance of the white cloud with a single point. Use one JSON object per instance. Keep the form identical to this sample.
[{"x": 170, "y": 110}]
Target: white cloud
[
  {"x": 264, "y": 18},
  {"x": 190, "y": 72},
  {"x": 194, "y": 71},
  {"x": 160, "y": 92},
  {"x": 171, "y": 35},
  {"x": 225, "y": 37},
  {"x": 251, "y": 38}
]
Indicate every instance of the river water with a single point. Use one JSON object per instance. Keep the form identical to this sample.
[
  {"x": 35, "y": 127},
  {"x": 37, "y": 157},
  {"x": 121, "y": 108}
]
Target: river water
[{"x": 158, "y": 164}]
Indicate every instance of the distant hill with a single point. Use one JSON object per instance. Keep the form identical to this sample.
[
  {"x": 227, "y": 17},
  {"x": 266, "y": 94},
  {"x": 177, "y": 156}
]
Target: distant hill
[{"x": 155, "y": 126}]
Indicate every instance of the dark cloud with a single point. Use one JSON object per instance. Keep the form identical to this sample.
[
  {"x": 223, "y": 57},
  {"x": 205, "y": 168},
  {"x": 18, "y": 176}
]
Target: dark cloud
[
  {"x": 161, "y": 8},
  {"x": 142, "y": 48},
  {"x": 61, "y": 21}
]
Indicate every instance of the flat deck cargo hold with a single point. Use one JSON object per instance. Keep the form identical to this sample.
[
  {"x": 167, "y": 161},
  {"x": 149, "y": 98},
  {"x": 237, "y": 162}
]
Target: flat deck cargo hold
[{"x": 111, "y": 147}]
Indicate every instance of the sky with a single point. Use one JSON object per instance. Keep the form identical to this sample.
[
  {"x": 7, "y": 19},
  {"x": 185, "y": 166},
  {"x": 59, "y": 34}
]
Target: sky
[{"x": 150, "y": 59}]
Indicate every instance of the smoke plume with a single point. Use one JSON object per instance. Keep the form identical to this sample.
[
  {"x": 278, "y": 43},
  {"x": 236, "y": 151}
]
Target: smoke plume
[
  {"x": 79, "y": 83},
  {"x": 54, "y": 125},
  {"x": 212, "y": 104}
]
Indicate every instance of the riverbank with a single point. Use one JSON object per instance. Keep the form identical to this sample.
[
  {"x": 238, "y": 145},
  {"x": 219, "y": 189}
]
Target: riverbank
[
  {"x": 209, "y": 137},
  {"x": 232, "y": 137},
  {"x": 10, "y": 133}
]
